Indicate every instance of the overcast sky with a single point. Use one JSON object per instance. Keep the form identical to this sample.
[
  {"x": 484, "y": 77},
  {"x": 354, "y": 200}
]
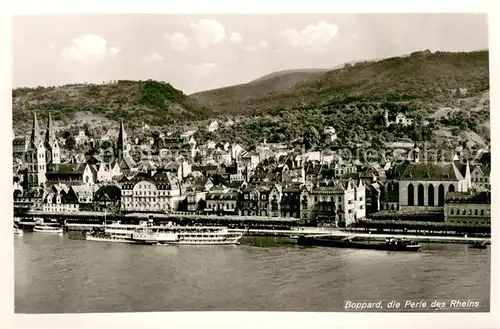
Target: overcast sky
[{"x": 200, "y": 52}]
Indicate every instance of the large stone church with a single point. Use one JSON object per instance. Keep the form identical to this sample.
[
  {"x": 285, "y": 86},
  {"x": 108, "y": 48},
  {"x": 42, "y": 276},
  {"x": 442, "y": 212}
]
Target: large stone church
[
  {"x": 423, "y": 186},
  {"x": 41, "y": 152}
]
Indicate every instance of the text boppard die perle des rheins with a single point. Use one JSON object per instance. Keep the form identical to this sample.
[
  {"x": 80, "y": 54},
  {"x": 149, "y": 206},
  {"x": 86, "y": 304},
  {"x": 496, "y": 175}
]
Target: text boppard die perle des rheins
[{"x": 416, "y": 305}]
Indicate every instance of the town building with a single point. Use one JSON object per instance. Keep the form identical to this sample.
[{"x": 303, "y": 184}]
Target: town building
[
  {"x": 373, "y": 197},
  {"x": 213, "y": 126},
  {"x": 249, "y": 200},
  {"x": 222, "y": 201},
  {"x": 181, "y": 169},
  {"x": 400, "y": 119},
  {"x": 187, "y": 136},
  {"x": 27, "y": 200},
  {"x": 249, "y": 160},
  {"x": 195, "y": 201},
  {"x": 84, "y": 193},
  {"x": 107, "y": 197},
  {"x": 236, "y": 151},
  {"x": 468, "y": 208},
  {"x": 222, "y": 157},
  {"x": 152, "y": 191},
  {"x": 331, "y": 134},
  {"x": 290, "y": 200},
  {"x": 480, "y": 176},
  {"x": 339, "y": 204},
  {"x": 20, "y": 146},
  {"x": 60, "y": 198},
  {"x": 69, "y": 173},
  {"x": 107, "y": 172},
  {"x": 81, "y": 138},
  {"x": 400, "y": 145}
]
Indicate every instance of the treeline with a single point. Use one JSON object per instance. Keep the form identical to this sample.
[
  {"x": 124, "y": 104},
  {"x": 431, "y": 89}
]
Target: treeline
[
  {"x": 156, "y": 103},
  {"x": 353, "y": 123}
]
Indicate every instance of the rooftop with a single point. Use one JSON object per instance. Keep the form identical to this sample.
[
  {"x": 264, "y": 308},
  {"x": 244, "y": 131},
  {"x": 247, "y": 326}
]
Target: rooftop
[
  {"x": 427, "y": 172},
  {"x": 463, "y": 197}
]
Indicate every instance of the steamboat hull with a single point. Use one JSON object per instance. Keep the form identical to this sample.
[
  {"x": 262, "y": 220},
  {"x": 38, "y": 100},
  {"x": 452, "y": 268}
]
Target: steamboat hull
[
  {"x": 55, "y": 231},
  {"x": 325, "y": 242},
  {"x": 109, "y": 239},
  {"x": 202, "y": 243},
  {"x": 189, "y": 241}
]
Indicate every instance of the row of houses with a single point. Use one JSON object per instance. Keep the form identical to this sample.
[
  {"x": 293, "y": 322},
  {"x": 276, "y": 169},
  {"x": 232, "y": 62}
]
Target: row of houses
[{"x": 271, "y": 181}]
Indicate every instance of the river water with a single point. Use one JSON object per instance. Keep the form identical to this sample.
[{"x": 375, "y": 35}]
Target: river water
[{"x": 65, "y": 274}]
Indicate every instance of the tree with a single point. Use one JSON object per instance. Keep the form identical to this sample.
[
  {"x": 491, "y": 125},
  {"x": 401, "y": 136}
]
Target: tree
[
  {"x": 70, "y": 142},
  {"x": 314, "y": 136},
  {"x": 87, "y": 129},
  {"x": 155, "y": 134},
  {"x": 463, "y": 125}
]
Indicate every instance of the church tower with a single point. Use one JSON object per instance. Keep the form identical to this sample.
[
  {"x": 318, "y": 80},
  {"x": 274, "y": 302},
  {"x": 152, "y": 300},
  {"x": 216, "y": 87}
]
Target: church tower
[
  {"x": 121, "y": 143},
  {"x": 35, "y": 158},
  {"x": 52, "y": 150}
]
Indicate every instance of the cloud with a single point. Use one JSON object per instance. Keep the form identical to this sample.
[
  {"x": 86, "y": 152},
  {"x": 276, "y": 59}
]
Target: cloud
[
  {"x": 202, "y": 69},
  {"x": 313, "y": 34},
  {"x": 114, "y": 51},
  {"x": 86, "y": 48},
  {"x": 153, "y": 57},
  {"x": 177, "y": 41},
  {"x": 208, "y": 32},
  {"x": 264, "y": 44},
  {"x": 236, "y": 38}
]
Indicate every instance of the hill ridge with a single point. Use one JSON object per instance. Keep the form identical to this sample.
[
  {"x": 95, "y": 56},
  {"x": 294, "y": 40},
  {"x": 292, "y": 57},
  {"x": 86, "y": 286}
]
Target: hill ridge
[
  {"x": 155, "y": 102},
  {"x": 419, "y": 75}
]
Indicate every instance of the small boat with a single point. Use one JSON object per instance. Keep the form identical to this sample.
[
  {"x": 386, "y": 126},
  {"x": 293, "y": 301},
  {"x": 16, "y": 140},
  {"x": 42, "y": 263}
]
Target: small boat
[
  {"x": 42, "y": 227},
  {"x": 349, "y": 242},
  {"x": 480, "y": 245},
  {"x": 17, "y": 230}
]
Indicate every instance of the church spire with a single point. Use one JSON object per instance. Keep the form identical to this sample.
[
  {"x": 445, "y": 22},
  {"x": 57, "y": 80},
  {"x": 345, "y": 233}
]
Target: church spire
[
  {"x": 120, "y": 144},
  {"x": 35, "y": 130},
  {"x": 49, "y": 134},
  {"x": 122, "y": 136}
]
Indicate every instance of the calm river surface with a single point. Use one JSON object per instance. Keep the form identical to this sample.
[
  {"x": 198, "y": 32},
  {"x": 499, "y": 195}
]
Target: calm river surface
[{"x": 65, "y": 274}]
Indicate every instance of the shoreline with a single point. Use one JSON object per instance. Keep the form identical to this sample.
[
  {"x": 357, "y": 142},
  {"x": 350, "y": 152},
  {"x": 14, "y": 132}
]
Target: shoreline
[
  {"x": 312, "y": 231},
  {"x": 382, "y": 237}
]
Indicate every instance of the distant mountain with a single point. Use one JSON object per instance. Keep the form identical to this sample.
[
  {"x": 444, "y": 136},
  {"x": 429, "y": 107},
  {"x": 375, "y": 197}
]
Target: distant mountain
[
  {"x": 288, "y": 73},
  {"x": 221, "y": 98},
  {"x": 421, "y": 76},
  {"x": 151, "y": 102}
]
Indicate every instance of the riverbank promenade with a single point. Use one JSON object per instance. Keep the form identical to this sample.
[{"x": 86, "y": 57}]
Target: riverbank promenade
[{"x": 334, "y": 232}]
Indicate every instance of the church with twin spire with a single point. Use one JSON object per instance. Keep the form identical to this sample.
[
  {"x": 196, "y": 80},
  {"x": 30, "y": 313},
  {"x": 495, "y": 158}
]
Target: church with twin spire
[
  {"x": 41, "y": 151},
  {"x": 44, "y": 166}
]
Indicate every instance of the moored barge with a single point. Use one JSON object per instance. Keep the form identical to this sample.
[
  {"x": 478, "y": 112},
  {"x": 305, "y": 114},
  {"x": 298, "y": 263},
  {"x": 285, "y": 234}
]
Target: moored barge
[{"x": 348, "y": 242}]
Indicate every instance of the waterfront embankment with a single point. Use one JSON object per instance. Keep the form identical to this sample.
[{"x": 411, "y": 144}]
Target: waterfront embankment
[
  {"x": 365, "y": 236},
  {"x": 315, "y": 231}
]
